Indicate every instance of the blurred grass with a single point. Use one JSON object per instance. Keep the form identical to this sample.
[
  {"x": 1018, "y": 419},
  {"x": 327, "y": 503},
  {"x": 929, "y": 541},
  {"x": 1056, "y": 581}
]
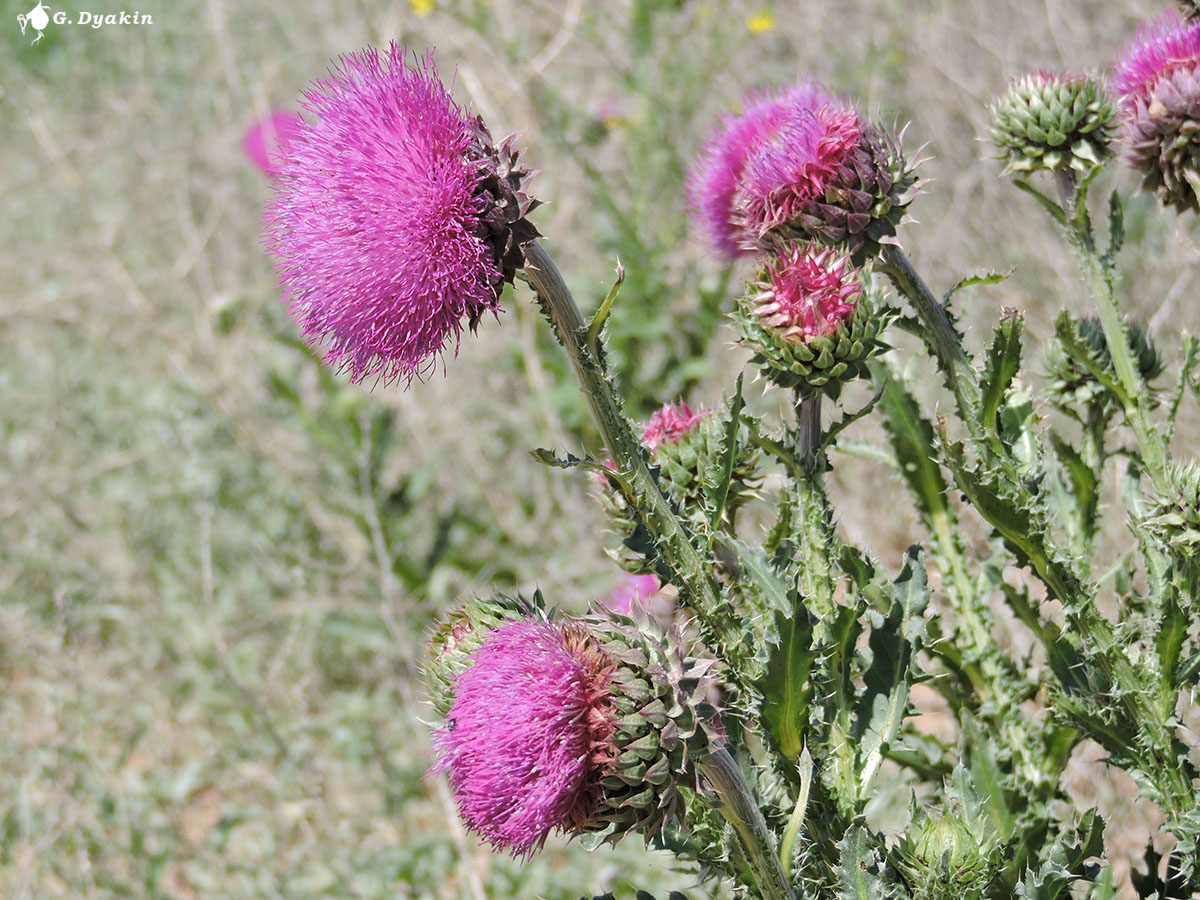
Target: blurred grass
[{"x": 219, "y": 561}]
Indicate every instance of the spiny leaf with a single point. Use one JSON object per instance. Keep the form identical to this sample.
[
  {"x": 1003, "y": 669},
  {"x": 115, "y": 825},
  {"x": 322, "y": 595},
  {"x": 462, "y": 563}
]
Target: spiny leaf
[
  {"x": 1191, "y": 352},
  {"x": 977, "y": 278},
  {"x": 1066, "y": 861},
  {"x": 786, "y": 692},
  {"x": 1003, "y": 362},
  {"x": 912, "y": 441},
  {"x": 1116, "y": 229},
  {"x": 859, "y": 871},
  {"x": 718, "y": 494},
  {"x": 1059, "y": 214},
  {"x": 1078, "y": 503},
  {"x": 892, "y": 647}
]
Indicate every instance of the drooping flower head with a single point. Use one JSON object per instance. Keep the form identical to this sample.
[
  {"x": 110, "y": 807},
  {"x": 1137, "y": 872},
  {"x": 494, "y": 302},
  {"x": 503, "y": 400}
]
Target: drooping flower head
[
  {"x": 574, "y": 726},
  {"x": 1051, "y": 121},
  {"x": 1158, "y": 83},
  {"x": 670, "y": 424},
  {"x": 396, "y": 220},
  {"x": 453, "y": 643},
  {"x": 804, "y": 317},
  {"x": 797, "y": 164},
  {"x": 270, "y": 139},
  {"x": 529, "y": 734}
]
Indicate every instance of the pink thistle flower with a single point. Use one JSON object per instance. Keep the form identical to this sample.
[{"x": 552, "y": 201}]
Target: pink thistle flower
[
  {"x": 808, "y": 294},
  {"x": 268, "y": 141},
  {"x": 1158, "y": 82},
  {"x": 529, "y": 735},
  {"x": 670, "y": 424},
  {"x": 1160, "y": 49},
  {"x": 395, "y": 220},
  {"x": 788, "y": 173},
  {"x": 632, "y": 589},
  {"x": 716, "y": 177}
]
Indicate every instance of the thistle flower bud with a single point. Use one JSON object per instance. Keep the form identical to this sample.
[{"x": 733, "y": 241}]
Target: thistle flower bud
[
  {"x": 1175, "y": 516},
  {"x": 581, "y": 726},
  {"x": 1054, "y": 122},
  {"x": 1074, "y": 389},
  {"x": 451, "y": 647},
  {"x": 396, "y": 219},
  {"x": 1158, "y": 82},
  {"x": 682, "y": 444},
  {"x": 807, "y": 321},
  {"x": 948, "y": 858},
  {"x": 796, "y": 165}
]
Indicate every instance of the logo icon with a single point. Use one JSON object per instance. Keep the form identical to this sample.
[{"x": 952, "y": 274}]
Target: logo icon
[{"x": 37, "y": 19}]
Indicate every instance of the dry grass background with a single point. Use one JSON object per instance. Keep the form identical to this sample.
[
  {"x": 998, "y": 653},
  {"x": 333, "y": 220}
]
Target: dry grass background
[{"x": 206, "y": 658}]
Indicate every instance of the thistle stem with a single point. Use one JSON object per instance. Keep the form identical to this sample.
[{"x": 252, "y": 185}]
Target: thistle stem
[
  {"x": 1099, "y": 281},
  {"x": 808, "y": 425},
  {"x": 960, "y": 374},
  {"x": 692, "y": 576},
  {"x": 738, "y": 805}
]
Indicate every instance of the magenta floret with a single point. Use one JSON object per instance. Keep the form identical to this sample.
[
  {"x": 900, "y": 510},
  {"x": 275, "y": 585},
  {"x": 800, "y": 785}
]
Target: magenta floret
[{"x": 1160, "y": 49}]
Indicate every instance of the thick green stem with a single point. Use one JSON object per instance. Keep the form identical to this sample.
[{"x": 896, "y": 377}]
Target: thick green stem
[
  {"x": 692, "y": 576},
  {"x": 739, "y": 807},
  {"x": 1100, "y": 286},
  {"x": 947, "y": 345}
]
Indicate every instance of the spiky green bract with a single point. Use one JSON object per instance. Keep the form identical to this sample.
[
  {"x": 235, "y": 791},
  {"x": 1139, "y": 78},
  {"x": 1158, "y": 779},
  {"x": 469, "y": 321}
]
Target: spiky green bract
[
  {"x": 812, "y": 359},
  {"x": 1053, "y": 122},
  {"x": 952, "y": 853},
  {"x": 665, "y": 721},
  {"x": 1174, "y": 518},
  {"x": 1081, "y": 369},
  {"x": 456, "y": 639}
]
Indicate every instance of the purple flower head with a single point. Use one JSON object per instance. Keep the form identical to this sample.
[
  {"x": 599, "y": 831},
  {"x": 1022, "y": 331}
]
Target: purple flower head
[
  {"x": 1160, "y": 49},
  {"x": 394, "y": 217},
  {"x": 791, "y": 171},
  {"x": 669, "y": 425},
  {"x": 808, "y": 293},
  {"x": 529, "y": 736},
  {"x": 1158, "y": 80},
  {"x": 269, "y": 140},
  {"x": 716, "y": 176}
]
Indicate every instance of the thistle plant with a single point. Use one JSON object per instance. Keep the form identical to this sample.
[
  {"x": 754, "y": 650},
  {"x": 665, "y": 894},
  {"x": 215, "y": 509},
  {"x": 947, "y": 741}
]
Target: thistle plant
[{"x": 748, "y": 730}]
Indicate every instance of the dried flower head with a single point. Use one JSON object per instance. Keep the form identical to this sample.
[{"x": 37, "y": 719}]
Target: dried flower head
[
  {"x": 799, "y": 165},
  {"x": 1052, "y": 121},
  {"x": 395, "y": 220},
  {"x": 805, "y": 320},
  {"x": 576, "y": 726},
  {"x": 1158, "y": 83}
]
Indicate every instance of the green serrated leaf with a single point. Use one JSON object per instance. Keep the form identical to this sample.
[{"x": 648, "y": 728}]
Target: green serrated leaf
[
  {"x": 894, "y": 642},
  {"x": 785, "y": 687},
  {"x": 975, "y": 279},
  {"x": 1169, "y": 640},
  {"x": 1116, "y": 229},
  {"x": 718, "y": 494},
  {"x": 1003, "y": 363},
  {"x": 912, "y": 440},
  {"x": 1056, "y": 211},
  {"x": 859, "y": 872},
  {"x": 1078, "y": 503},
  {"x": 1066, "y": 861}
]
